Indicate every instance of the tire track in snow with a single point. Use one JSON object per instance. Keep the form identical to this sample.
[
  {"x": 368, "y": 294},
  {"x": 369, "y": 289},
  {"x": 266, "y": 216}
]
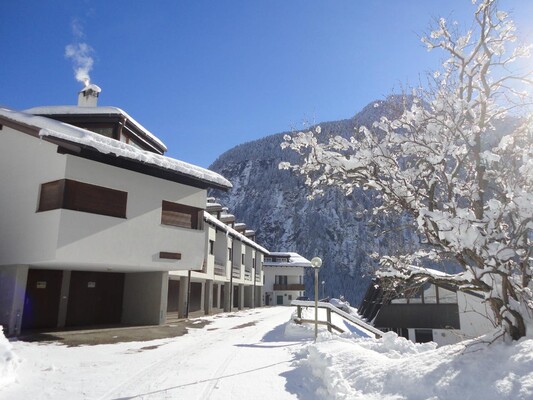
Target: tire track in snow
[
  {"x": 162, "y": 366},
  {"x": 155, "y": 380}
]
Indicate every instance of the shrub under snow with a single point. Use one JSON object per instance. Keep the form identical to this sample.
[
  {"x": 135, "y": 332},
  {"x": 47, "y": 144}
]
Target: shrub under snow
[{"x": 8, "y": 361}]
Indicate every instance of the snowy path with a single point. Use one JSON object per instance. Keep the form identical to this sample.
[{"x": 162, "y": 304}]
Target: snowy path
[{"x": 236, "y": 356}]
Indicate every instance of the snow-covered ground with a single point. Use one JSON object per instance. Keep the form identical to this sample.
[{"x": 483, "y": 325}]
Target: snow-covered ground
[{"x": 258, "y": 354}]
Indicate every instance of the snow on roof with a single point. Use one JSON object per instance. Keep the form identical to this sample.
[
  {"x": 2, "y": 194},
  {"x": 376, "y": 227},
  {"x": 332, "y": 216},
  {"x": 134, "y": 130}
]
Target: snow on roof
[
  {"x": 75, "y": 110},
  {"x": 295, "y": 260},
  {"x": 225, "y": 228},
  {"x": 105, "y": 145},
  {"x": 93, "y": 87}
]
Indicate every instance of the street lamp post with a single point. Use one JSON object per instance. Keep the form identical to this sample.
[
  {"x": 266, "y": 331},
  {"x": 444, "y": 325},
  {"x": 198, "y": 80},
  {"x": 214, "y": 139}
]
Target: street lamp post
[{"x": 316, "y": 263}]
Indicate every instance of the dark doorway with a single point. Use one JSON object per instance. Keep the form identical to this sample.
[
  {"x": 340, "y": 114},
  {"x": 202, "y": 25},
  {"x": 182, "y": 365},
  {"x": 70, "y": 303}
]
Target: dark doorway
[
  {"x": 95, "y": 298},
  {"x": 173, "y": 295},
  {"x": 195, "y": 299},
  {"x": 215, "y": 296},
  {"x": 41, "y": 301},
  {"x": 279, "y": 300},
  {"x": 235, "y": 296}
]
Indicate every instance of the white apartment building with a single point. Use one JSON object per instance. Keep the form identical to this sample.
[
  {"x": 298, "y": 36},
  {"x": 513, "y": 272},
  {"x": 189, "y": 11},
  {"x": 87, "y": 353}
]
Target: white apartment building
[
  {"x": 284, "y": 277},
  {"x": 231, "y": 276},
  {"x": 93, "y": 216}
]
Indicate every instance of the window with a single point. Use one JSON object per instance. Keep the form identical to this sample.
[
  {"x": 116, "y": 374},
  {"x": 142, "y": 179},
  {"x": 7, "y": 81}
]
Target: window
[
  {"x": 423, "y": 335},
  {"x": 430, "y": 293},
  {"x": 211, "y": 247},
  {"x": 242, "y": 258},
  {"x": 447, "y": 296},
  {"x": 281, "y": 279},
  {"x": 230, "y": 254},
  {"x": 79, "y": 196},
  {"x": 104, "y": 129},
  {"x": 180, "y": 215}
]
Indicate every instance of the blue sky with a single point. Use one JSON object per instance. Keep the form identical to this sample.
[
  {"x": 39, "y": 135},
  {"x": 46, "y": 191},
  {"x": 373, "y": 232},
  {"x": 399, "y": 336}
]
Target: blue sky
[{"x": 205, "y": 76}]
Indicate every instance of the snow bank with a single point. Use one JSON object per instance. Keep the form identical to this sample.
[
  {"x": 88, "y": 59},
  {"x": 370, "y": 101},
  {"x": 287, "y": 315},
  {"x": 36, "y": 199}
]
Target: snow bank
[
  {"x": 394, "y": 368},
  {"x": 8, "y": 361}
]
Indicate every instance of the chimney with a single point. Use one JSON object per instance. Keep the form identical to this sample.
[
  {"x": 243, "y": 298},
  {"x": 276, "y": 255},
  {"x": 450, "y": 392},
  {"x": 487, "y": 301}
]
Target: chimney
[{"x": 88, "y": 96}]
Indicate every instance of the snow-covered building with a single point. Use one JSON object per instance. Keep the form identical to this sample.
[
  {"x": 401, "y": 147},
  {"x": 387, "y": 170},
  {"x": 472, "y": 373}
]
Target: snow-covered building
[
  {"x": 284, "y": 277},
  {"x": 427, "y": 312},
  {"x": 231, "y": 276},
  {"x": 93, "y": 217}
]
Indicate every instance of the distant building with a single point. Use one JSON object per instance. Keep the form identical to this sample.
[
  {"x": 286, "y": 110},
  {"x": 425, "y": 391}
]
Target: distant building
[
  {"x": 284, "y": 277},
  {"x": 231, "y": 276},
  {"x": 428, "y": 312},
  {"x": 93, "y": 217}
]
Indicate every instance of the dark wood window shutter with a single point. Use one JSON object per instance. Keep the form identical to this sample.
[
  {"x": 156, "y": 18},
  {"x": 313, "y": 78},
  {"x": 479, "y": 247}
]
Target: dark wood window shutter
[
  {"x": 180, "y": 215},
  {"x": 79, "y": 196}
]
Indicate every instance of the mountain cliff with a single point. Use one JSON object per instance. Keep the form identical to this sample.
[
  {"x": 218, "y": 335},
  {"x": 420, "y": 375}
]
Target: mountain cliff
[{"x": 340, "y": 229}]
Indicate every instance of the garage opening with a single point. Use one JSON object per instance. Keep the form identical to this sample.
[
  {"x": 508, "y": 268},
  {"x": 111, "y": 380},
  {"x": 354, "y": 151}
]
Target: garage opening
[
  {"x": 95, "y": 298},
  {"x": 41, "y": 300},
  {"x": 173, "y": 295},
  {"x": 195, "y": 298}
]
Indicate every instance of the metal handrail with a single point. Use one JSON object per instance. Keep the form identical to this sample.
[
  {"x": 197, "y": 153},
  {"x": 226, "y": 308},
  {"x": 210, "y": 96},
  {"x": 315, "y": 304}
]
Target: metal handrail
[{"x": 331, "y": 308}]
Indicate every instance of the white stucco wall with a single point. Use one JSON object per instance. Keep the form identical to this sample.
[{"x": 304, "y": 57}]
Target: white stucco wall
[
  {"x": 474, "y": 315},
  {"x": 79, "y": 240},
  {"x": 145, "y": 298},
  {"x": 293, "y": 275}
]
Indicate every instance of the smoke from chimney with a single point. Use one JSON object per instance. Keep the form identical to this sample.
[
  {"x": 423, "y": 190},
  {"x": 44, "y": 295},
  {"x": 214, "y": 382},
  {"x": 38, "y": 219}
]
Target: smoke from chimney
[{"x": 80, "y": 53}]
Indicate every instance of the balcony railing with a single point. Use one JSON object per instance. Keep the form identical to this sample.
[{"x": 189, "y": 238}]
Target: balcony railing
[
  {"x": 293, "y": 286},
  {"x": 248, "y": 275},
  {"x": 236, "y": 271},
  {"x": 220, "y": 269}
]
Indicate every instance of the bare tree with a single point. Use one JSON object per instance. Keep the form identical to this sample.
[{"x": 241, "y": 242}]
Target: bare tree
[{"x": 455, "y": 163}]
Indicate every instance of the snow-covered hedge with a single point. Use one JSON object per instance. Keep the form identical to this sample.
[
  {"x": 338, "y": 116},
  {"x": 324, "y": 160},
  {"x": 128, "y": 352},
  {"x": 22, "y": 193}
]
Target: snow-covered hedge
[
  {"x": 349, "y": 367},
  {"x": 8, "y": 361}
]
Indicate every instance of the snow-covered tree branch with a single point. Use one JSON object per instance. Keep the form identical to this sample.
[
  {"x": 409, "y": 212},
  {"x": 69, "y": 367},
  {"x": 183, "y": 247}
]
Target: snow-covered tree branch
[{"x": 459, "y": 160}]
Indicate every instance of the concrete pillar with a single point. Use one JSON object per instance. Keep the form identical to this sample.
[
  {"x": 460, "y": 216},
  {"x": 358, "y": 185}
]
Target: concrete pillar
[
  {"x": 12, "y": 293},
  {"x": 241, "y": 297},
  {"x": 208, "y": 296},
  {"x": 63, "y": 299},
  {"x": 227, "y": 297},
  {"x": 183, "y": 297}
]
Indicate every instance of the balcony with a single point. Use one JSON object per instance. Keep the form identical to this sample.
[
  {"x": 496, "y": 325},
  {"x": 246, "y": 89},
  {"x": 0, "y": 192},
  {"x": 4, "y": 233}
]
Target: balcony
[
  {"x": 247, "y": 275},
  {"x": 292, "y": 286},
  {"x": 236, "y": 271},
  {"x": 220, "y": 269}
]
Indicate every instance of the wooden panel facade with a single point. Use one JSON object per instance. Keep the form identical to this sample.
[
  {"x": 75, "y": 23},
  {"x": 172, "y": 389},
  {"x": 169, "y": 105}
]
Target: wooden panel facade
[
  {"x": 176, "y": 214},
  {"x": 78, "y": 196}
]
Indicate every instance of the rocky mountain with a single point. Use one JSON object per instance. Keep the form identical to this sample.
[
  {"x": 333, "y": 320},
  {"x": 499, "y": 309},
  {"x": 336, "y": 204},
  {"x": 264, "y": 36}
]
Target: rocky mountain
[{"x": 340, "y": 229}]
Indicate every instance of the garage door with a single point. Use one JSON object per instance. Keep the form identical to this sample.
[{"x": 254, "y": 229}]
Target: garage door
[
  {"x": 41, "y": 301},
  {"x": 173, "y": 295},
  {"x": 95, "y": 298},
  {"x": 195, "y": 297}
]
